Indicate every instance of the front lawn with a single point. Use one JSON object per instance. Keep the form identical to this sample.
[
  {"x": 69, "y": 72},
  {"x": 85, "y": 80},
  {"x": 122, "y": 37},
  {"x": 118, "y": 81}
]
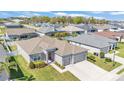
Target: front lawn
[
  {"x": 108, "y": 66},
  {"x": 120, "y": 49},
  {"x": 46, "y": 73}
]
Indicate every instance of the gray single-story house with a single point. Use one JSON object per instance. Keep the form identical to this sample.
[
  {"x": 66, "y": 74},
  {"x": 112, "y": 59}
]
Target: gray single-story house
[
  {"x": 94, "y": 43},
  {"x": 49, "y": 50},
  {"x": 20, "y": 33},
  {"x": 71, "y": 29},
  {"x": 13, "y": 25},
  {"x": 47, "y": 31}
]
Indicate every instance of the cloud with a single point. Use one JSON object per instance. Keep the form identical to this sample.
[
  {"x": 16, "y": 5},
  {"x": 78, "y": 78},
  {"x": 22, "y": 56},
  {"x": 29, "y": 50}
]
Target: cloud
[
  {"x": 60, "y": 14},
  {"x": 73, "y": 15},
  {"x": 117, "y": 13},
  {"x": 27, "y": 14},
  {"x": 97, "y": 12},
  {"x": 97, "y": 17}
]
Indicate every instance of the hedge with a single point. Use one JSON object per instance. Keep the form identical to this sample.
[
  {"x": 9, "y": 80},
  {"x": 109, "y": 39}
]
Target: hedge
[{"x": 37, "y": 64}]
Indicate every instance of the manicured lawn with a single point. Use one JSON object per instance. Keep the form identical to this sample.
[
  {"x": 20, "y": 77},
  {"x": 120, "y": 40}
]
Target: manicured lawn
[
  {"x": 120, "y": 49},
  {"x": 121, "y": 71},
  {"x": 46, "y": 73},
  {"x": 108, "y": 66}
]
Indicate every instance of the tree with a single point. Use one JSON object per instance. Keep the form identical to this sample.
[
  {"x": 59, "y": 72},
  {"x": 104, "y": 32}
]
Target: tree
[{"x": 77, "y": 20}]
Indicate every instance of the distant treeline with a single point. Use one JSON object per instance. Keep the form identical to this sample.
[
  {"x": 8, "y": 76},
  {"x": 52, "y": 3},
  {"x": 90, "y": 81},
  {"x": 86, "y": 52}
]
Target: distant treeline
[{"x": 63, "y": 20}]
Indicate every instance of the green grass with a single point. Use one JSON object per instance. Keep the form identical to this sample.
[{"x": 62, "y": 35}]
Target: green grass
[
  {"x": 108, "y": 66},
  {"x": 13, "y": 71},
  {"x": 13, "y": 48},
  {"x": 46, "y": 73},
  {"x": 2, "y": 32},
  {"x": 120, "y": 49},
  {"x": 121, "y": 71}
]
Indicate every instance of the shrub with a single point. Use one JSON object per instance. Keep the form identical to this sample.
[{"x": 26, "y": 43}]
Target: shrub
[
  {"x": 40, "y": 64},
  {"x": 108, "y": 59},
  {"x": 91, "y": 58},
  {"x": 102, "y": 54},
  {"x": 61, "y": 66},
  {"x": 31, "y": 65},
  {"x": 36, "y": 64}
]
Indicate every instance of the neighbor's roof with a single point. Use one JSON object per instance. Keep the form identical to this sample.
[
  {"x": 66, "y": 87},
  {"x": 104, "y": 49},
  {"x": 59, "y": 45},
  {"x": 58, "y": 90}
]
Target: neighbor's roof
[
  {"x": 70, "y": 28},
  {"x": 36, "y": 45},
  {"x": 92, "y": 40},
  {"x": 46, "y": 29},
  {"x": 101, "y": 26},
  {"x": 18, "y": 31},
  {"x": 109, "y": 34}
]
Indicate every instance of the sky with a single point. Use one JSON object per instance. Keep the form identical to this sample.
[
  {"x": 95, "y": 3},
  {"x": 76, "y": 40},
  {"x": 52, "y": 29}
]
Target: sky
[{"x": 109, "y": 15}]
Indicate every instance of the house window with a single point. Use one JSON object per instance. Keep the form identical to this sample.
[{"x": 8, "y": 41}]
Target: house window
[{"x": 36, "y": 58}]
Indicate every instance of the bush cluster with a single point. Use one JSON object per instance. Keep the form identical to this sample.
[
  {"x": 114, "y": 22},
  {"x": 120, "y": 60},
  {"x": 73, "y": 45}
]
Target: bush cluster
[
  {"x": 108, "y": 59},
  {"x": 34, "y": 65},
  {"x": 91, "y": 58},
  {"x": 61, "y": 66}
]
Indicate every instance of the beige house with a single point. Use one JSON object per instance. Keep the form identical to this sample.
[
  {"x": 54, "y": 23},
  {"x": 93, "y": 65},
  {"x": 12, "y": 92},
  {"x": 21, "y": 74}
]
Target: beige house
[{"x": 50, "y": 49}]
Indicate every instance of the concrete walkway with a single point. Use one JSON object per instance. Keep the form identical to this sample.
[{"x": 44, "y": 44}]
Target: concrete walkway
[{"x": 117, "y": 59}]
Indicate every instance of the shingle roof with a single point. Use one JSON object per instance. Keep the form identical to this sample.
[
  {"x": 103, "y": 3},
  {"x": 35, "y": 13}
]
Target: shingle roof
[
  {"x": 102, "y": 26},
  {"x": 18, "y": 31},
  {"x": 36, "y": 45},
  {"x": 109, "y": 34},
  {"x": 92, "y": 40},
  {"x": 71, "y": 28}
]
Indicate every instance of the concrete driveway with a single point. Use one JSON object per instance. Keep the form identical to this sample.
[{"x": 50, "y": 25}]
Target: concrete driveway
[{"x": 87, "y": 71}]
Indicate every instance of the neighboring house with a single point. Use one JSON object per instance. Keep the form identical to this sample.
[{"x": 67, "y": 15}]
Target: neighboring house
[
  {"x": 47, "y": 31},
  {"x": 87, "y": 27},
  {"x": 112, "y": 35},
  {"x": 122, "y": 35},
  {"x": 94, "y": 43},
  {"x": 20, "y": 33},
  {"x": 102, "y": 27},
  {"x": 71, "y": 29},
  {"x": 50, "y": 49},
  {"x": 13, "y": 25}
]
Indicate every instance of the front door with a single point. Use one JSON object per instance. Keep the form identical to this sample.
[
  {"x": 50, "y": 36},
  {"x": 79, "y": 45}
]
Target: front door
[{"x": 50, "y": 56}]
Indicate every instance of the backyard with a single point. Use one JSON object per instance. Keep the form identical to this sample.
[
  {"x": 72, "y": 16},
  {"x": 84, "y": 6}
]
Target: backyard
[
  {"x": 101, "y": 62},
  {"x": 46, "y": 73}
]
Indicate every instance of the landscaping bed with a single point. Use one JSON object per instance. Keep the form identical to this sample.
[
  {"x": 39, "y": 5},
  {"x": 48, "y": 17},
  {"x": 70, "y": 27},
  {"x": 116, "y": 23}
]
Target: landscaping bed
[
  {"x": 103, "y": 63},
  {"x": 60, "y": 66}
]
